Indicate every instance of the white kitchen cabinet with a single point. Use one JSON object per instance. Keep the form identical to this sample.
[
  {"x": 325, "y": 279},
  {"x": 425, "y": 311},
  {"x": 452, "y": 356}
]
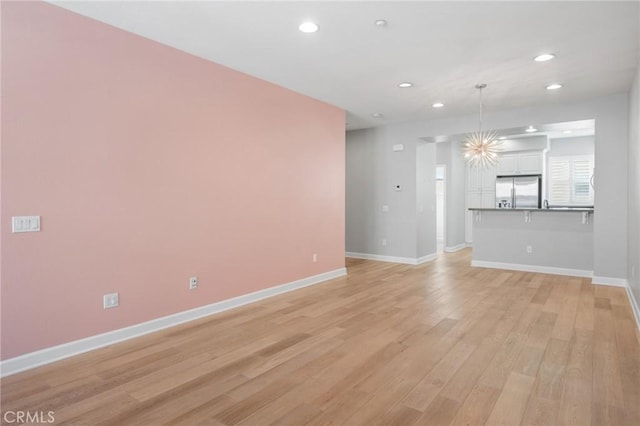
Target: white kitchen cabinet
[
  {"x": 488, "y": 179},
  {"x": 488, "y": 199},
  {"x": 508, "y": 164},
  {"x": 481, "y": 193},
  {"x": 524, "y": 163},
  {"x": 468, "y": 229},
  {"x": 473, "y": 179},
  {"x": 480, "y": 179},
  {"x": 474, "y": 199}
]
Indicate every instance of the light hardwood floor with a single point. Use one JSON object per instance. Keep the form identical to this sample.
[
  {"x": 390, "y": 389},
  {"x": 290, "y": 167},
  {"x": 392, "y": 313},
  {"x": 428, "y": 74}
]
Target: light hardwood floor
[{"x": 436, "y": 344}]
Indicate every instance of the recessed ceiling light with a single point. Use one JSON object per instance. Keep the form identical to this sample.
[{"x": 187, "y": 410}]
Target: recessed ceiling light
[
  {"x": 502, "y": 138},
  {"x": 380, "y": 23},
  {"x": 544, "y": 57},
  {"x": 531, "y": 129},
  {"x": 554, "y": 86},
  {"x": 438, "y": 105},
  {"x": 566, "y": 132},
  {"x": 308, "y": 27},
  {"x": 377, "y": 115},
  {"x": 405, "y": 84}
]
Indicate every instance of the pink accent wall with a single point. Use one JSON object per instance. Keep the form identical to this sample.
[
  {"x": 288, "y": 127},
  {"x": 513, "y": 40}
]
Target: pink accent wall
[{"x": 148, "y": 165}]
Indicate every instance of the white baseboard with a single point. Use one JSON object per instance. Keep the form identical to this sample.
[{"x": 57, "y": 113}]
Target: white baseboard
[
  {"x": 634, "y": 306},
  {"x": 392, "y": 259},
  {"x": 613, "y": 282},
  {"x": 455, "y": 248},
  {"x": 533, "y": 268},
  {"x": 621, "y": 282},
  {"x": 66, "y": 350},
  {"x": 427, "y": 258}
]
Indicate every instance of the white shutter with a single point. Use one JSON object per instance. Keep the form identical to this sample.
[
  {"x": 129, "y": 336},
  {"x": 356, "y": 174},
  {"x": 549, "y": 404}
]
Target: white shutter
[
  {"x": 559, "y": 181},
  {"x": 569, "y": 180},
  {"x": 581, "y": 177}
]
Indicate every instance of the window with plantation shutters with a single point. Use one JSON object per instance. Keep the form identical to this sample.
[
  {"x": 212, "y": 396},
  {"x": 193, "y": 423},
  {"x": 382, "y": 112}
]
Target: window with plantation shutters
[{"x": 570, "y": 180}]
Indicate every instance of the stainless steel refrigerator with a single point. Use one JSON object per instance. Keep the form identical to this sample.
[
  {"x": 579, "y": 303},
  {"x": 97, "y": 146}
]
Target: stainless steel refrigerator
[{"x": 518, "y": 192}]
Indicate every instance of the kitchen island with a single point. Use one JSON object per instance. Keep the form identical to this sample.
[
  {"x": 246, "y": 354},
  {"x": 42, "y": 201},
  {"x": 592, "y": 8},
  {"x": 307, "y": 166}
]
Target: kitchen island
[{"x": 555, "y": 241}]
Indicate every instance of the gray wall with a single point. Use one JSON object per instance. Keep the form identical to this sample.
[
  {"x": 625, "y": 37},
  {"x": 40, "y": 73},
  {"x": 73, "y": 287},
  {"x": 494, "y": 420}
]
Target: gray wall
[
  {"x": 372, "y": 170},
  {"x": 531, "y": 143},
  {"x": 557, "y": 239},
  {"x": 634, "y": 189},
  {"x": 611, "y": 146},
  {"x": 426, "y": 196},
  {"x": 584, "y": 145},
  {"x": 456, "y": 194}
]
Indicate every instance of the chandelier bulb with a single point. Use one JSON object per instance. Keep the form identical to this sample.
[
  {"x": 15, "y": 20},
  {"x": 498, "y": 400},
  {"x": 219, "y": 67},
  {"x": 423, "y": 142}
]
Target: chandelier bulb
[{"x": 480, "y": 148}]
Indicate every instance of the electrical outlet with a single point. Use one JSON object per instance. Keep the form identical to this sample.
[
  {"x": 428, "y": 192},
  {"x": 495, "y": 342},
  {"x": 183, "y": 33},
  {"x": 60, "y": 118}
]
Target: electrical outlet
[
  {"x": 110, "y": 301},
  {"x": 314, "y": 258},
  {"x": 193, "y": 283},
  {"x": 529, "y": 249},
  {"x": 384, "y": 241}
]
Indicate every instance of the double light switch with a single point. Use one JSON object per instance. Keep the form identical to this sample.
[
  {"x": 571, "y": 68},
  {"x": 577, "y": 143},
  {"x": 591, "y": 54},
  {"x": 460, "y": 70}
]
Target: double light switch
[{"x": 25, "y": 224}]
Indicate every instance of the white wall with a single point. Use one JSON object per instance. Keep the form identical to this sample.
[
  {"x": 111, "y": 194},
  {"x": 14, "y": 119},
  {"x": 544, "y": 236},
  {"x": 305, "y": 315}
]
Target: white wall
[
  {"x": 634, "y": 190},
  {"x": 449, "y": 154}
]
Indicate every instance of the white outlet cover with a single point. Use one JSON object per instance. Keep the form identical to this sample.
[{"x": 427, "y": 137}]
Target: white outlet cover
[
  {"x": 385, "y": 208},
  {"x": 193, "y": 283},
  {"x": 110, "y": 300}
]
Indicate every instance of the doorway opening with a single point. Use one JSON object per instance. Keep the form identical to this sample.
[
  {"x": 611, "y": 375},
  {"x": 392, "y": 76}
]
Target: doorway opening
[{"x": 441, "y": 199}]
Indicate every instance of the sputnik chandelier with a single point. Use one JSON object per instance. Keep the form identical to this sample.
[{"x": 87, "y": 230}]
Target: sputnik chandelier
[{"x": 481, "y": 148}]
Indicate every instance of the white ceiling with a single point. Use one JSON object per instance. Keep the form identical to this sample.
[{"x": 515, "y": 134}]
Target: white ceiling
[{"x": 444, "y": 48}]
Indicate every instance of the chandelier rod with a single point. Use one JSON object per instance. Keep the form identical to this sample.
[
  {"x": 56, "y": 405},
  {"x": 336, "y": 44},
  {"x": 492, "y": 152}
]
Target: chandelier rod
[{"x": 480, "y": 86}]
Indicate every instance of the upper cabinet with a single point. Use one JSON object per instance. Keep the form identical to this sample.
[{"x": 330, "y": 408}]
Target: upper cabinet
[
  {"x": 479, "y": 179},
  {"x": 523, "y": 163}
]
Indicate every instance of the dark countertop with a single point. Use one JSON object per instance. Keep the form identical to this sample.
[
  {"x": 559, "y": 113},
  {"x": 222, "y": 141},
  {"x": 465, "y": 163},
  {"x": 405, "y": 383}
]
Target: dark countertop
[{"x": 552, "y": 209}]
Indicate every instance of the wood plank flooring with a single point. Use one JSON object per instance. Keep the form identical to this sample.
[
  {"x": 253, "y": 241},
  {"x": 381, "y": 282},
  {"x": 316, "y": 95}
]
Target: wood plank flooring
[{"x": 436, "y": 344}]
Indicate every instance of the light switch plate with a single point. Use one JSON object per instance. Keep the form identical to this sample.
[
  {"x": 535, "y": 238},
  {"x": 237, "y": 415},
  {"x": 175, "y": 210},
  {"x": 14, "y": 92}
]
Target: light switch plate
[{"x": 25, "y": 224}]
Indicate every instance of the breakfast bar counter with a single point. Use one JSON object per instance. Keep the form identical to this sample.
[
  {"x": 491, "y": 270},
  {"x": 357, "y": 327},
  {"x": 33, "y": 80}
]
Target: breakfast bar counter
[{"x": 554, "y": 240}]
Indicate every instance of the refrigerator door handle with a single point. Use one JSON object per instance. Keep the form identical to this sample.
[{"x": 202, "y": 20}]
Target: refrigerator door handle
[{"x": 513, "y": 197}]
